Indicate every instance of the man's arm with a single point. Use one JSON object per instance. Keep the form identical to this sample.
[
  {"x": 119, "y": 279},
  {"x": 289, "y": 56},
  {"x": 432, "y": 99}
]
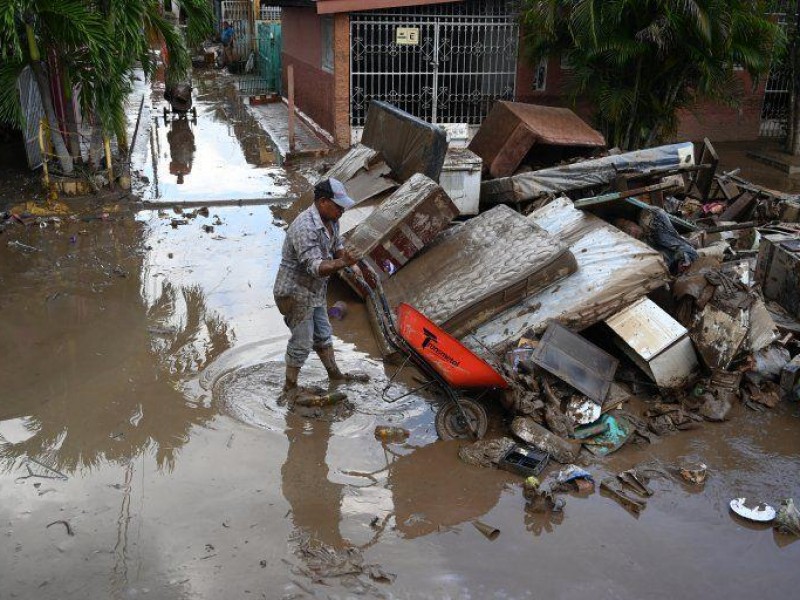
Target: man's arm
[{"x": 309, "y": 253}]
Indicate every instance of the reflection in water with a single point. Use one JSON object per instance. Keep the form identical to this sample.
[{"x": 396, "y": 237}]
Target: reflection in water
[
  {"x": 181, "y": 147},
  {"x": 108, "y": 390},
  {"x": 315, "y": 500},
  {"x": 433, "y": 490},
  {"x": 229, "y": 155}
]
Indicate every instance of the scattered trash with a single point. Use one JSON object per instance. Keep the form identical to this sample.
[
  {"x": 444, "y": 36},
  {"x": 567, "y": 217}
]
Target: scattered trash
[
  {"x": 540, "y": 497},
  {"x": 583, "y": 411},
  {"x": 22, "y": 247},
  {"x": 618, "y": 431},
  {"x": 489, "y": 532},
  {"x": 715, "y": 408},
  {"x": 636, "y": 481},
  {"x": 694, "y": 473},
  {"x": 388, "y": 434},
  {"x": 303, "y": 398},
  {"x": 486, "y": 453},
  {"x": 573, "y": 475},
  {"x": 613, "y": 487},
  {"x": 531, "y": 432},
  {"x": 787, "y": 519},
  {"x": 760, "y": 512},
  {"x": 525, "y": 462}
]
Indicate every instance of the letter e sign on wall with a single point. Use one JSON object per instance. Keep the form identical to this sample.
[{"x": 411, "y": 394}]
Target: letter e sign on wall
[{"x": 407, "y": 36}]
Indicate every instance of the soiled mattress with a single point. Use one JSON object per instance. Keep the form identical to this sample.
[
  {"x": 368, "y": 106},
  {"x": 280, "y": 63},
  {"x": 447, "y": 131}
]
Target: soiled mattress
[
  {"x": 477, "y": 269},
  {"x": 614, "y": 271}
]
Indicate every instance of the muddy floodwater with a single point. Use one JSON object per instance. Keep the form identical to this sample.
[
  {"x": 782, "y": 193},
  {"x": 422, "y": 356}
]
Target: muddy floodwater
[{"x": 144, "y": 450}]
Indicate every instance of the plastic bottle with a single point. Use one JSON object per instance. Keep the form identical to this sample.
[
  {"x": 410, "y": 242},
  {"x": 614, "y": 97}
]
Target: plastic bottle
[
  {"x": 326, "y": 400},
  {"x": 386, "y": 433}
]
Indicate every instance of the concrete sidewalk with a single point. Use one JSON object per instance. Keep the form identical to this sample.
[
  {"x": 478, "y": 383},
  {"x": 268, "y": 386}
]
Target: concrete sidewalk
[{"x": 274, "y": 119}]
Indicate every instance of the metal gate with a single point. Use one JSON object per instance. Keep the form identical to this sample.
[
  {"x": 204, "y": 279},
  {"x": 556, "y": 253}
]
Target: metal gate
[
  {"x": 444, "y": 63},
  {"x": 776, "y": 108},
  {"x": 239, "y": 13},
  {"x": 32, "y": 108},
  {"x": 269, "y": 55}
]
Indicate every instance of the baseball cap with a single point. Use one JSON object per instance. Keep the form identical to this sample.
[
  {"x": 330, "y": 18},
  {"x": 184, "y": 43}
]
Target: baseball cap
[{"x": 335, "y": 190}]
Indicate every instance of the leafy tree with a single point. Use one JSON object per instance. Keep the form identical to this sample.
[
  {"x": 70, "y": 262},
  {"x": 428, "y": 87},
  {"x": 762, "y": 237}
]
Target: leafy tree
[
  {"x": 638, "y": 62},
  {"x": 97, "y": 44}
]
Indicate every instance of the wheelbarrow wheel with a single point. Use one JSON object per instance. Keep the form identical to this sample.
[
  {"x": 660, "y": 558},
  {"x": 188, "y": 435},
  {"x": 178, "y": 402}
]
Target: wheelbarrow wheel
[{"x": 451, "y": 425}]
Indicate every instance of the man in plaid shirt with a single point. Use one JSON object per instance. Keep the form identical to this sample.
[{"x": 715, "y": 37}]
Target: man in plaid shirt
[{"x": 312, "y": 252}]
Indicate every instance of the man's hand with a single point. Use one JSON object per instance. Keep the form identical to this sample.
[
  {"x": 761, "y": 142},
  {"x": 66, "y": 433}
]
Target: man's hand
[
  {"x": 357, "y": 271},
  {"x": 350, "y": 257}
]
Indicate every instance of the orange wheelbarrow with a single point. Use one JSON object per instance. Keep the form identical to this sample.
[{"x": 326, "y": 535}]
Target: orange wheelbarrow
[{"x": 448, "y": 365}]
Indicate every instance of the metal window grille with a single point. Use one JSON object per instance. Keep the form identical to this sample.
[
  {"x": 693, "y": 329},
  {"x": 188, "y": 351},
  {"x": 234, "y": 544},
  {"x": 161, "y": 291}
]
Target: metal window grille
[
  {"x": 776, "y": 106},
  {"x": 270, "y": 13},
  {"x": 464, "y": 59}
]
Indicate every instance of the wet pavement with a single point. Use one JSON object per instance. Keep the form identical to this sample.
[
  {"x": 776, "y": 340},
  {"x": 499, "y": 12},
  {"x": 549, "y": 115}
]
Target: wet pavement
[{"x": 140, "y": 405}]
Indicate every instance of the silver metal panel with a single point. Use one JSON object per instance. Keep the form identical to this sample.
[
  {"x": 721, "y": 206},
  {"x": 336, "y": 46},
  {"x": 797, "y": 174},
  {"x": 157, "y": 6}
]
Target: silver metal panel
[
  {"x": 465, "y": 59},
  {"x": 33, "y": 110}
]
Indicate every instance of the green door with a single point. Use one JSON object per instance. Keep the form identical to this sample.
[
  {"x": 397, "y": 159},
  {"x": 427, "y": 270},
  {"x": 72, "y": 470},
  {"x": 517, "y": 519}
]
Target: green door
[{"x": 269, "y": 55}]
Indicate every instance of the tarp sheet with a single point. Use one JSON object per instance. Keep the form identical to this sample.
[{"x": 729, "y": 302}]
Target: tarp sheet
[
  {"x": 586, "y": 174},
  {"x": 614, "y": 270}
]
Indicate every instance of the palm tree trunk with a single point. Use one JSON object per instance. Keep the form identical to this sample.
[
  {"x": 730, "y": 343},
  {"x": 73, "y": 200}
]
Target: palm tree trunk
[
  {"x": 43, "y": 85},
  {"x": 73, "y": 135}
]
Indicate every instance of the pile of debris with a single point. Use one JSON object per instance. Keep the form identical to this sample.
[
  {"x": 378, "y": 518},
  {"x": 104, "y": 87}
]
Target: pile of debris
[{"x": 621, "y": 295}]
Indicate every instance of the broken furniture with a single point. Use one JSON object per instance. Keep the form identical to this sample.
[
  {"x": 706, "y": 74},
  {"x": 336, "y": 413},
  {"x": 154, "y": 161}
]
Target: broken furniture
[
  {"x": 778, "y": 270},
  {"x": 511, "y": 129},
  {"x": 655, "y": 342},
  {"x": 364, "y": 172},
  {"x": 461, "y": 179},
  {"x": 575, "y": 361},
  {"x": 399, "y": 227}
]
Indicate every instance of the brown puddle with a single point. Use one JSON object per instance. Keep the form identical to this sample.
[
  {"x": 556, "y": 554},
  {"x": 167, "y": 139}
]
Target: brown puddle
[
  {"x": 142, "y": 362},
  {"x": 219, "y": 153}
]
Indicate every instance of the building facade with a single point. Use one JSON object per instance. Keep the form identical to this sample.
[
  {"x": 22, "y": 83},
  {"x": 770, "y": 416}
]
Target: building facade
[{"x": 446, "y": 62}]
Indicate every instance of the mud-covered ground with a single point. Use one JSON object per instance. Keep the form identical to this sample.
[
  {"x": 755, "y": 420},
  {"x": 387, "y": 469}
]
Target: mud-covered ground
[{"x": 144, "y": 450}]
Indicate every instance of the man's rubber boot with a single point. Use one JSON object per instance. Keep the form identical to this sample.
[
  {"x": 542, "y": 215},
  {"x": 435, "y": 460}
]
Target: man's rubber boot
[
  {"x": 328, "y": 359},
  {"x": 292, "y": 373}
]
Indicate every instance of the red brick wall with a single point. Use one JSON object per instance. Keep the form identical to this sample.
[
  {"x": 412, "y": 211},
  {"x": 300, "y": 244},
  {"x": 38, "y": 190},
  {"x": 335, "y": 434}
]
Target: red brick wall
[
  {"x": 717, "y": 122},
  {"x": 301, "y": 31},
  {"x": 341, "y": 71},
  {"x": 721, "y": 123}
]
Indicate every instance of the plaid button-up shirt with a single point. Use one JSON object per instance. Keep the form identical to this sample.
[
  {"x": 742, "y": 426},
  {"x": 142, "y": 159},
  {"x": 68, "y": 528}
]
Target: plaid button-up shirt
[{"x": 307, "y": 244}]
